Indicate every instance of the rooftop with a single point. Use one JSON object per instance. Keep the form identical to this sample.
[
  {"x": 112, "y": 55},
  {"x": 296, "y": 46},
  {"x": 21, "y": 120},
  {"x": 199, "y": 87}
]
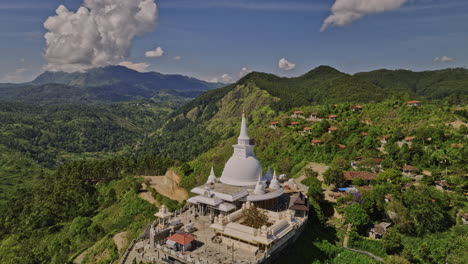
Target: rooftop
[
  {"x": 182, "y": 238},
  {"x": 363, "y": 175}
]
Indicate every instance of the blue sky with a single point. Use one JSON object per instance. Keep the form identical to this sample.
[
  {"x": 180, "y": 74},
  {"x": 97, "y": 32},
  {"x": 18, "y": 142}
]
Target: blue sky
[{"x": 220, "y": 37}]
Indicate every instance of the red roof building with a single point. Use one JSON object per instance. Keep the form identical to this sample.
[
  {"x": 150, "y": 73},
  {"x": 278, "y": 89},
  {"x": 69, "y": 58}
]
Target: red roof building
[
  {"x": 365, "y": 134},
  {"x": 316, "y": 141},
  {"x": 307, "y": 129},
  {"x": 332, "y": 117},
  {"x": 341, "y": 146},
  {"x": 180, "y": 241},
  {"x": 363, "y": 175},
  {"x": 414, "y": 103},
  {"x": 330, "y": 129},
  {"x": 357, "y": 108},
  {"x": 294, "y": 123}
]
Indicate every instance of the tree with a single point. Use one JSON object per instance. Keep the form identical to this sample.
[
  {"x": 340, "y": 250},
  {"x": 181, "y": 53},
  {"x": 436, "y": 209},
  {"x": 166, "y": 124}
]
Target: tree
[
  {"x": 334, "y": 176},
  {"x": 392, "y": 241},
  {"x": 254, "y": 217},
  {"x": 356, "y": 215},
  {"x": 396, "y": 260},
  {"x": 314, "y": 188},
  {"x": 389, "y": 175}
]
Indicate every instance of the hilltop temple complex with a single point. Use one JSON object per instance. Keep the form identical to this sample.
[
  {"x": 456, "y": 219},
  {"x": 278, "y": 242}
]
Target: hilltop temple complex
[{"x": 244, "y": 216}]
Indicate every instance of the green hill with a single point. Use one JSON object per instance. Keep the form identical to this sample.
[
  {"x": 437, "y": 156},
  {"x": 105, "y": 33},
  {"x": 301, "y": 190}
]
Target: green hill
[
  {"x": 432, "y": 85},
  {"x": 91, "y": 194}
]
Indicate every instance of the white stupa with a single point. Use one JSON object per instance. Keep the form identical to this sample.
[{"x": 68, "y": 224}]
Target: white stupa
[
  {"x": 212, "y": 178},
  {"x": 243, "y": 168},
  {"x": 274, "y": 184}
]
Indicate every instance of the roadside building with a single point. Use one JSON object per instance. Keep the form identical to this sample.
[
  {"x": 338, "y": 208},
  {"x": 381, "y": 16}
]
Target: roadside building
[
  {"x": 297, "y": 114},
  {"x": 442, "y": 185},
  {"x": 464, "y": 218},
  {"x": 409, "y": 171},
  {"x": 379, "y": 230},
  {"x": 363, "y": 175},
  {"x": 274, "y": 124},
  {"x": 357, "y": 108},
  {"x": 414, "y": 103}
]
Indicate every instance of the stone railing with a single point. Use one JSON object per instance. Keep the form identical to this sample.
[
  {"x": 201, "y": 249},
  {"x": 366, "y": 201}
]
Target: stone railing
[{"x": 127, "y": 252}]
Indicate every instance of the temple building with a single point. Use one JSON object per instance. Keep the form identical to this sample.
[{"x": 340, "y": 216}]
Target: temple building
[
  {"x": 242, "y": 180},
  {"x": 244, "y": 216}
]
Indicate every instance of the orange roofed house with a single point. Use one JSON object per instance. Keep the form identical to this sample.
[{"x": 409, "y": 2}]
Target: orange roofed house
[
  {"x": 297, "y": 114},
  {"x": 316, "y": 142},
  {"x": 414, "y": 103},
  {"x": 363, "y": 175},
  {"x": 180, "y": 241},
  {"x": 357, "y": 108}
]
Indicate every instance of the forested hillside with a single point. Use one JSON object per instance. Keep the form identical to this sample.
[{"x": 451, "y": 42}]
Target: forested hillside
[
  {"x": 68, "y": 172},
  {"x": 449, "y": 83}
]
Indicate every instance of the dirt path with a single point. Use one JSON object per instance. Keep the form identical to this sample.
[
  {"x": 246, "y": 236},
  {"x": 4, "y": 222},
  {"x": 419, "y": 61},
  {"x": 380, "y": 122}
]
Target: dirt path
[
  {"x": 318, "y": 167},
  {"x": 80, "y": 257},
  {"x": 121, "y": 240},
  {"x": 147, "y": 195},
  {"x": 167, "y": 185},
  {"x": 457, "y": 124}
]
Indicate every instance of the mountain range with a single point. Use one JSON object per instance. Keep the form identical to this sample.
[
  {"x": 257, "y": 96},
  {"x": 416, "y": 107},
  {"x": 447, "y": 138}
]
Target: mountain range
[
  {"x": 107, "y": 84},
  {"x": 323, "y": 84}
]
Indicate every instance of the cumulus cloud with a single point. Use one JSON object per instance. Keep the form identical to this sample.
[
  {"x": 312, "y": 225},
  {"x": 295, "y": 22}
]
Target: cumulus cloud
[
  {"x": 225, "y": 78},
  {"x": 244, "y": 71},
  {"x": 443, "y": 59},
  {"x": 177, "y": 58},
  {"x": 156, "y": 53},
  {"x": 140, "y": 67},
  {"x": 285, "y": 65},
  {"x": 345, "y": 12},
  {"x": 99, "y": 33}
]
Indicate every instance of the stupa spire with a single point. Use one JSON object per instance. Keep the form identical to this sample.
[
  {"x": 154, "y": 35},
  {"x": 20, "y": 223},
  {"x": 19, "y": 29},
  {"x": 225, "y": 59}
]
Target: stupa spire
[{"x": 243, "y": 138}]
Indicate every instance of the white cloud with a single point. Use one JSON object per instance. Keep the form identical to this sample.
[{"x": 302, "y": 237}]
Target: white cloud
[
  {"x": 177, "y": 58},
  {"x": 225, "y": 78},
  {"x": 345, "y": 12},
  {"x": 443, "y": 59},
  {"x": 285, "y": 65},
  {"x": 140, "y": 67},
  {"x": 156, "y": 53},
  {"x": 19, "y": 75},
  {"x": 99, "y": 33},
  {"x": 244, "y": 71}
]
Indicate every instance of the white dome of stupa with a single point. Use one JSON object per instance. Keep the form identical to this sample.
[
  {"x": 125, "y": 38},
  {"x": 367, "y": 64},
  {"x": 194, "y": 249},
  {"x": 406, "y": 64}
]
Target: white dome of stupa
[
  {"x": 259, "y": 188},
  {"x": 243, "y": 168},
  {"x": 274, "y": 184}
]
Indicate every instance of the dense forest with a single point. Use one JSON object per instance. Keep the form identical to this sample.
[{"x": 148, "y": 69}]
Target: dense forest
[{"x": 68, "y": 172}]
